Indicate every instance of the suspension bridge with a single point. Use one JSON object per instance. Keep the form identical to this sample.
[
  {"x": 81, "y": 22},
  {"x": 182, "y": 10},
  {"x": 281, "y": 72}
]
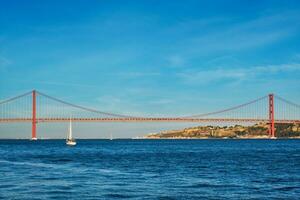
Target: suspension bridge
[{"x": 36, "y": 107}]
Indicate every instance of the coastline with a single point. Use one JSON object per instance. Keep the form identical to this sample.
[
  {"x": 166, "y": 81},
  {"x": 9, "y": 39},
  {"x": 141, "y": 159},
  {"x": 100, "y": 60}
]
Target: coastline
[{"x": 256, "y": 131}]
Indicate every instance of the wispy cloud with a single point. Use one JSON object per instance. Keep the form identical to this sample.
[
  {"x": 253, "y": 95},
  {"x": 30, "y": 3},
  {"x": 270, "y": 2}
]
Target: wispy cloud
[
  {"x": 175, "y": 61},
  {"x": 241, "y": 35},
  {"x": 55, "y": 83},
  {"x": 135, "y": 74},
  {"x": 276, "y": 68},
  {"x": 4, "y": 62},
  {"x": 109, "y": 101},
  {"x": 118, "y": 104},
  {"x": 125, "y": 75},
  {"x": 297, "y": 56},
  {"x": 162, "y": 101},
  {"x": 239, "y": 74}
]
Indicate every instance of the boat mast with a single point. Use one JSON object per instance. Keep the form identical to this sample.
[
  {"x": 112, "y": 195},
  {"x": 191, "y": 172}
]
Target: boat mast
[{"x": 70, "y": 130}]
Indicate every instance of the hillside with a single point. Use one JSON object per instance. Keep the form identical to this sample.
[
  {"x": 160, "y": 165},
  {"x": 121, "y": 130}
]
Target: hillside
[{"x": 238, "y": 131}]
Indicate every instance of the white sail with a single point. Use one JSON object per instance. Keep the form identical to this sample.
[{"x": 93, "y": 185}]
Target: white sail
[
  {"x": 70, "y": 141},
  {"x": 70, "y": 130}
]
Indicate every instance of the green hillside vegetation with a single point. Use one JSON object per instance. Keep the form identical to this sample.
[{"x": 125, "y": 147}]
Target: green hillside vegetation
[{"x": 237, "y": 131}]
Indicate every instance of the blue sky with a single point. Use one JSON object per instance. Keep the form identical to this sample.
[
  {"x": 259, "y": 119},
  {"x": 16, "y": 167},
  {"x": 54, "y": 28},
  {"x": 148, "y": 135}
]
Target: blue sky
[{"x": 151, "y": 57}]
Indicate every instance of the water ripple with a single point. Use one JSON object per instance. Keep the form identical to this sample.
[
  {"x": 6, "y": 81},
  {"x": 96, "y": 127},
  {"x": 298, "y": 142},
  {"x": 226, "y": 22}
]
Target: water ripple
[{"x": 150, "y": 169}]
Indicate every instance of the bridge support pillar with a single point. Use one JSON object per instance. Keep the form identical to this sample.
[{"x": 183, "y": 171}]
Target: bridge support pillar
[
  {"x": 271, "y": 116},
  {"x": 33, "y": 126}
]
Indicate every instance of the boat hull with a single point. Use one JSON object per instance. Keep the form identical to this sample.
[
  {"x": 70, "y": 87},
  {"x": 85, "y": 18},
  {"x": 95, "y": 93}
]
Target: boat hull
[{"x": 70, "y": 143}]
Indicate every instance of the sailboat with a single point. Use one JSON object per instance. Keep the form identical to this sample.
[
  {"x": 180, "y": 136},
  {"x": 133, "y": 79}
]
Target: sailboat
[{"x": 70, "y": 141}]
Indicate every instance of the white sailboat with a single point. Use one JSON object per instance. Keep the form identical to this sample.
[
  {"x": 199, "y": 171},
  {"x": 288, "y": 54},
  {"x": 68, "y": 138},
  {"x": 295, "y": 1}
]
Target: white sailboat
[{"x": 70, "y": 141}]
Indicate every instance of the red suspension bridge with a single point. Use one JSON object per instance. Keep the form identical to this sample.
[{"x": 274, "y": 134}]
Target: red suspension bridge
[{"x": 36, "y": 107}]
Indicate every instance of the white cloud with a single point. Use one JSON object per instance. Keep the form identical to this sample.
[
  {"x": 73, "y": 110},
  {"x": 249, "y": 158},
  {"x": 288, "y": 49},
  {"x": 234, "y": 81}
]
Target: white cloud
[
  {"x": 135, "y": 74},
  {"x": 175, "y": 61},
  {"x": 55, "y": 83},
  {"x": 297, "y": 56},
  {"x": 109, "y": 100},
  {"x": 240, "y": 74},
  {"x": 4, "y": 62},
  {"x": 276, "y": 68},
  {"x": 161, "y": 101},
  {"x": 239, "y": 35},
  {"x": 117, "y": 105}
]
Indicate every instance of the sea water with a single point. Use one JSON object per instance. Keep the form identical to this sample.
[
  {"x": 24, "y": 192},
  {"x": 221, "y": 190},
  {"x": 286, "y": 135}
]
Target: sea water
[{"x": 150, "y": 169}]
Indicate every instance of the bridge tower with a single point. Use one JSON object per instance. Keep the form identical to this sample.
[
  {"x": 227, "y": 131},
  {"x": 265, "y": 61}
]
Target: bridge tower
[
  {"x": 271, "y": 116},
  {"x": 33, "y": 127}
]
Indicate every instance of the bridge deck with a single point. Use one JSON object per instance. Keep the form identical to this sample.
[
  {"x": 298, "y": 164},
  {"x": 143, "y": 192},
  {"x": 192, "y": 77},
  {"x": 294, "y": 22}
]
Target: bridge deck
[{"x": 151, "y": 119}]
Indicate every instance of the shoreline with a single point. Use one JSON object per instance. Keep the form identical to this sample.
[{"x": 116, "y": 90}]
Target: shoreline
[
  {"x": 239, "y": 138},
  {"x": 163, "y": 138}
]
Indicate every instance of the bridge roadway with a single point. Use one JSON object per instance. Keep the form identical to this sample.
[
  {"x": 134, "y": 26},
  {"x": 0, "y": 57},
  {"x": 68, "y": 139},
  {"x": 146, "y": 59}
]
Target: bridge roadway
[{"x": 147, "y": 119}]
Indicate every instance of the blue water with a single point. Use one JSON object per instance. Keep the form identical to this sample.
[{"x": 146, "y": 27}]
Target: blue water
[{"x": 150, "y": 169}]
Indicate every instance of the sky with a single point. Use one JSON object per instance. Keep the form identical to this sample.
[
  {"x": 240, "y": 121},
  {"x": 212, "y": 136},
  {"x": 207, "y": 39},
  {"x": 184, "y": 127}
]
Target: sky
[{"x": 151, "y": 58}]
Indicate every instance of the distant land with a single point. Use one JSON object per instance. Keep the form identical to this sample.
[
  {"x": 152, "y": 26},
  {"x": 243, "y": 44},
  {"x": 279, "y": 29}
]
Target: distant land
[{"x": 256, "y": 131}]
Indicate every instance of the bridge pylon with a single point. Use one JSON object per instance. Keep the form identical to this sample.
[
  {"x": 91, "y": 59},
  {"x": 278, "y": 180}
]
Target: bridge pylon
[
  {"x": 33, "y": 126},
  {"x": 271, "y": 116}
]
